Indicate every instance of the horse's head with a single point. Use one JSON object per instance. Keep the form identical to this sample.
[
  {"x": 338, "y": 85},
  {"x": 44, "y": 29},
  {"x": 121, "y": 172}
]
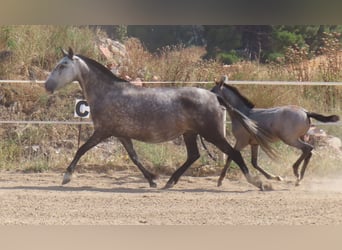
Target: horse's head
[
  {"x": 231, "y": 94},
  {"x": 65, "y": 72}
]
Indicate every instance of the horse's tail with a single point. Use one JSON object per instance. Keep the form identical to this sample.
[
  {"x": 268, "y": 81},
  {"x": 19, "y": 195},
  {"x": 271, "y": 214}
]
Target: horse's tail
[
  {"x": 260, "y": 135},
  {"x": 323, "y": 118}
]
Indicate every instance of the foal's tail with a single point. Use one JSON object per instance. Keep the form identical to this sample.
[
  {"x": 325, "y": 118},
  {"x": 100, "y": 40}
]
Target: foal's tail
[
  {"x": 323, "y": 118},
  {"x": 260, "y": 135}
]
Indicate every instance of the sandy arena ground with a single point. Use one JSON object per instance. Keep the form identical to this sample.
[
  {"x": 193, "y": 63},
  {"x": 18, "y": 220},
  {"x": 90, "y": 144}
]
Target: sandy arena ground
[{"x": 124, "y": 198}]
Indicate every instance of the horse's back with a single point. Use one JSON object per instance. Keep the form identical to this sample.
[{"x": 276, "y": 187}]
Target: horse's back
[{"x": 284, "y": 121}]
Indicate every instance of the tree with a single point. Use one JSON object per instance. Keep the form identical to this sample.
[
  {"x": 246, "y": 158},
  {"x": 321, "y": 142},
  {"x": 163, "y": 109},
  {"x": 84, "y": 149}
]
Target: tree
[
  {"x": 246, "y": 41},
  {"x": 155, "y": 37}
]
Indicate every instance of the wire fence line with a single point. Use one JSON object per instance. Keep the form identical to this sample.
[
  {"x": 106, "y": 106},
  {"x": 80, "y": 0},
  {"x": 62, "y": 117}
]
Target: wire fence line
[{"x": 146, "y": 83}]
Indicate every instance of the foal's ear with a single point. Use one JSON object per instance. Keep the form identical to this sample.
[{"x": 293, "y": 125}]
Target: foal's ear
[
  {"x": 216, "y": 81},
  {"x": 222, "y": 81}
]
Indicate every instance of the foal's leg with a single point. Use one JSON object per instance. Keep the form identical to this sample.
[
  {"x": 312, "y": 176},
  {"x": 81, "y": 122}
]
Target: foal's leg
[
  {"x": 306, "y": 155},
  {"x": 254, "y": 151},
  {"x": 95, "y": 139},
  {"x": 302, "y": 172},
  {"x": 192, "y": 155},
  {"x": 127, "y": 143}
]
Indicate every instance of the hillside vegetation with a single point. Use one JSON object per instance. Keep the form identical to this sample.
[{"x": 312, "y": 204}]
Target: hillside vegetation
[{"x": 30, "y": 52}]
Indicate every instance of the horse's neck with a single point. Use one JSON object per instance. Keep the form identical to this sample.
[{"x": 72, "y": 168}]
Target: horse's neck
[
  {"x": 94, "y": 85},
  {"x": 236, "y": 102}
]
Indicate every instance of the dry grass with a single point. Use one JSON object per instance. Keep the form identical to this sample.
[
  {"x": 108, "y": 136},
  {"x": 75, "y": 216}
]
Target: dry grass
[{"x": 36, "y": 48}]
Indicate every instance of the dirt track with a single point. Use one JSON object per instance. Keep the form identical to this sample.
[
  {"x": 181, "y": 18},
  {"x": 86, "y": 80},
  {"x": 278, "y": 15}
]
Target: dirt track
[{"x": 124, "y": 198}]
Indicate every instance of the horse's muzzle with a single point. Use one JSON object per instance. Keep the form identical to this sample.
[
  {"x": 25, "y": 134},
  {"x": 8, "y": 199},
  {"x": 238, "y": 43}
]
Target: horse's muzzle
[{"x": 50, "y": 86}]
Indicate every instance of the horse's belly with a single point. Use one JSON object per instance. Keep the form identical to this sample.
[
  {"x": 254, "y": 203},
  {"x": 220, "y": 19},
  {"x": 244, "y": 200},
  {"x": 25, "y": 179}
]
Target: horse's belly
[
  {"x": 156, "y": 136},
  {"x": 155, "y": 131}
]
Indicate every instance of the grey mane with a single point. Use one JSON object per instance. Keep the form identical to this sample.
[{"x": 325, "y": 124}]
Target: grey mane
[
  {"x": 245, "y": 100},
  {"x": 101, "y": 68}
]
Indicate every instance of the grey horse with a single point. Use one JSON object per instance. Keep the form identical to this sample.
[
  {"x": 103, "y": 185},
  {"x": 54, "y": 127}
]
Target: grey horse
[
  {"x": 153, "y": 115},
  {"x": 286, "y": 123}
]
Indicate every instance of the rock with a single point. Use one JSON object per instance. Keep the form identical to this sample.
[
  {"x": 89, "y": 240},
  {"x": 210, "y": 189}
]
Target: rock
[
  {"x": 114, "y": 51},
  {"x": 319, "y": 138},
  {"x": 115, "y": 54}
]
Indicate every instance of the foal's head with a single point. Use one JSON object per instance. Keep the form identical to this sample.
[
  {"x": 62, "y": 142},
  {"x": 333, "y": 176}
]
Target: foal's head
[
  {"x": 66, "y": 71},
  {"x": 231, "y": 94}
]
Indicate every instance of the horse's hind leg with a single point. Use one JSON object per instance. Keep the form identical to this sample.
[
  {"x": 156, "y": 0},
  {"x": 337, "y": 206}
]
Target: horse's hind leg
[
  {"x": 305, "y": 163},
  {"x": 254, "y": 150},
  {"x": 236, "y": 156},
  {"x": 127, "y": 143},
  {"x": 306, "y": 155},
  {"x": 95, "y": 139},
  {"x": 192, "y": 155}
]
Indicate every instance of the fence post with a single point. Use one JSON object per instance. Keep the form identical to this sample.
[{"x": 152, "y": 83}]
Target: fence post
[{"x": 79, "y": 135}]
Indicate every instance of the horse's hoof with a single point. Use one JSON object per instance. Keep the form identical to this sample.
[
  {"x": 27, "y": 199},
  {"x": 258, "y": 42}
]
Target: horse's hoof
[
  {"x": 279, "y": 178},
  {"x": 168, "y": 185},
  {"x": 153, "y": 184},
  {"x": 219, "y": 183},
  {"x": 66, "y": 178},
  {"x": 297, "y": 183},
  {"x": 267, "y": 187},
  {"x": 258, "y": 183}
]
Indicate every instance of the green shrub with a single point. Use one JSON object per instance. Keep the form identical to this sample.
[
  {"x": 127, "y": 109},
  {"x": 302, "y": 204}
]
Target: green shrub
[{"x": 230, "y": 57}]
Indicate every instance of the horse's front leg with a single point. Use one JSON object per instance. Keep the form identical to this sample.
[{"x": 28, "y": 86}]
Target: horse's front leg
[
  {"x": 241, "y": 142},
  {"x": 190, "y": 141},
  {"x": 127, "y": 143},
  {"x": 95, "y": 139}
]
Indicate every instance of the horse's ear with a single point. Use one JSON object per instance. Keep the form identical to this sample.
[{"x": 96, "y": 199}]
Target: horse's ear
[
  {"x": 217, "y": 82},
  {"x": 64, "y": 52},
  {"x": 70, "y": 53},
  {"x": 224, "y": 79}
]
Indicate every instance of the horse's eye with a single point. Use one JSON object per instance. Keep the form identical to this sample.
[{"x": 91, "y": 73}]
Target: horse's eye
[{"x": 63, "y": 65}]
